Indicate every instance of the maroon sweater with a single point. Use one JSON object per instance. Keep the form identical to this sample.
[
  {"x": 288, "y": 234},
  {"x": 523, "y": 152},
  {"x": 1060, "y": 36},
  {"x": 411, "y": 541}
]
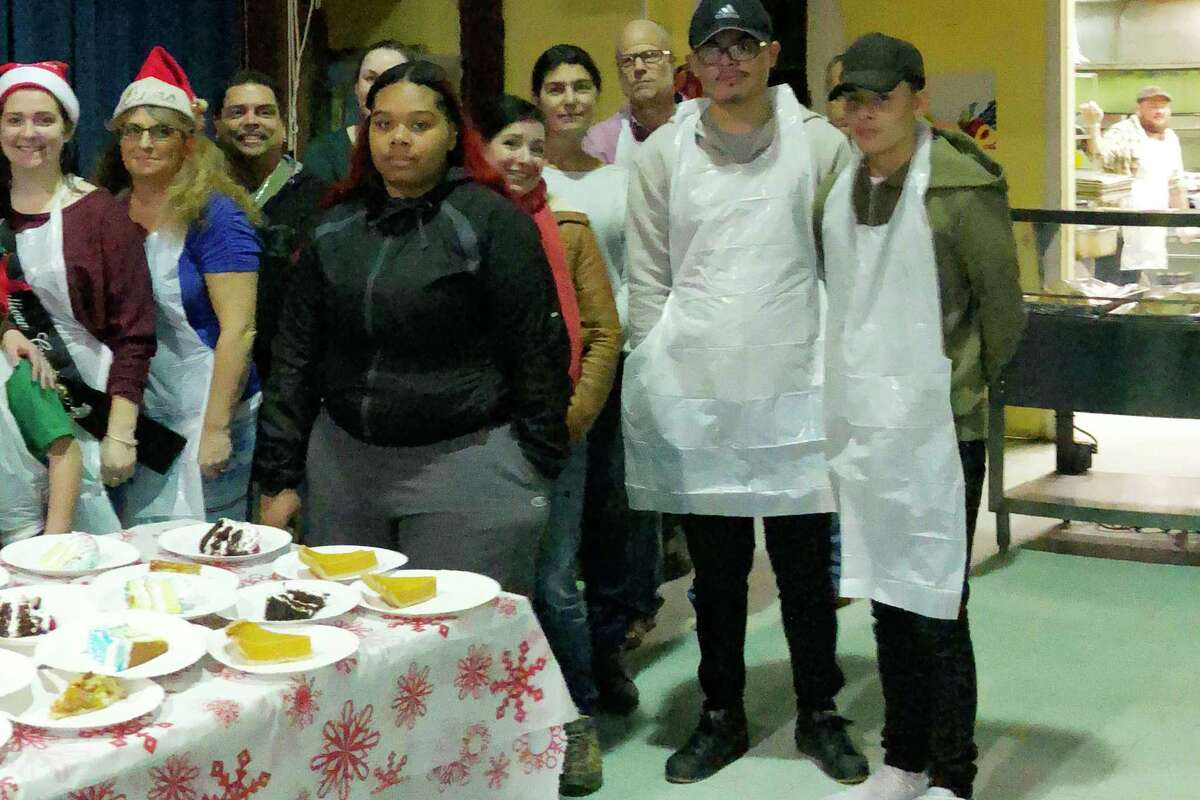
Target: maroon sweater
[{"x": 109, "y": 284}]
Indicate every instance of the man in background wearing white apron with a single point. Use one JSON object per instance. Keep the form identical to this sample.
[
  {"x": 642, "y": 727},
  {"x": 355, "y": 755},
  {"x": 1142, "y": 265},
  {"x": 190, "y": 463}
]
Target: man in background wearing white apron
[
  {"x": 924, "y": 309},
  {"x": 1141, "y": 146},
  {"x": 722, "y": 396},
  {"x": 646, "y": 68}
]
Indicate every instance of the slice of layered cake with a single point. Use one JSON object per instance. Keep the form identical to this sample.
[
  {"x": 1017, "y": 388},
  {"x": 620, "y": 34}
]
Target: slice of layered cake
[
  {"x": 24, "y": 617},
  {"x": 153, "y": 594},
  {"x": 227, "y": 539},
  {"x": 293, "y": 605},
  {"x": 120, "y": 648}
]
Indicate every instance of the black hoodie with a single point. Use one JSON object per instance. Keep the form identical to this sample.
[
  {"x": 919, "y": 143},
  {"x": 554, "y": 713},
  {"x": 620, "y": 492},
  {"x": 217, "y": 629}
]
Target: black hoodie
[{"x": 417, "y": 321}]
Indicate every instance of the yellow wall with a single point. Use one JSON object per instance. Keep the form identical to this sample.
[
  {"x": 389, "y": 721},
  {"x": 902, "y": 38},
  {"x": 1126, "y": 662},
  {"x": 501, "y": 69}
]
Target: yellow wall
[
  {"x": 530, "y": 26},
  {"x": 1007, "y": 38},
  {"x": 356, "y": 23}
]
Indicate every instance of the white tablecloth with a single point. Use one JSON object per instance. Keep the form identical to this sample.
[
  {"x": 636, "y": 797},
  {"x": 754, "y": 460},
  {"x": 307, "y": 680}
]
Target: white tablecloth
[{"x": 454, "y": 707}]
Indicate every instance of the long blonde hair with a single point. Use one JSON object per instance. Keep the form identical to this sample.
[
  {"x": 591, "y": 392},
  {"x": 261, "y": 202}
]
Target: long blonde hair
[{"x": 204, "y": 172}]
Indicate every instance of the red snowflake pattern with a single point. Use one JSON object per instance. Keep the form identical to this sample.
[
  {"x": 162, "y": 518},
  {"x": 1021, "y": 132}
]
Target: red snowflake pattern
[
  {"x": 139, "y": 728},
  {"x": 235, "y": 787},
  {"x": 354, "y": 625},
  {"x": 300, "y": 701},
  {"x": 474, "y": 744},
  {"x": 548, "y": 757},
  {"x": 506, "y": 606},
  {"x": 497, "y": 771},
  {"x": 8, "y": 788},
  {"x": 99, "y": 791},
  {"x": 517, "y": 684},
  {"x": 346, "y": 665},
  {"x": 251, "y": 580},
  {"x": 343, "y": 757},
  {"x": 226, "y": 711},
  {"x": 421, "y": 624},
  {"x": 474, "y": 672},
  {"x": 24, "y": 736},
  {"x": 389, "y": 776},
  {"x": 413, "y": 689},
  {"x": 174, "y": 779},
  {"x": 304, "y": 794}
]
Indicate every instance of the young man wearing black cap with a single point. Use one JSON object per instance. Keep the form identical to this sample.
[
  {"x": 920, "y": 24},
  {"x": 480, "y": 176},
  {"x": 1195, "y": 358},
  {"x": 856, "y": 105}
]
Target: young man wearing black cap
[
  {"x": 722, "y": 397},
  {"x": 924, "y": 309}
]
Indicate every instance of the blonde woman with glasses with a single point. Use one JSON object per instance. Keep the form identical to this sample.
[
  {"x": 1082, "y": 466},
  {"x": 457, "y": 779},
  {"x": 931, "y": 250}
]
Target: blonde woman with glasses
[{"x": 203, "y": 256}]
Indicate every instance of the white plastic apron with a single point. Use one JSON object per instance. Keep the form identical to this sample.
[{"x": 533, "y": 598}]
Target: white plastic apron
[
  {"x": 626, "y": 145},
  {"x": 23, "y": 479},
  {"x": 176, "y": 395},
  {"x": 41, "y": 252},
  {"x": 1146, "y": 248},
  {"x": 722, "y": 400},
  {"x": 892, "y": 442}
]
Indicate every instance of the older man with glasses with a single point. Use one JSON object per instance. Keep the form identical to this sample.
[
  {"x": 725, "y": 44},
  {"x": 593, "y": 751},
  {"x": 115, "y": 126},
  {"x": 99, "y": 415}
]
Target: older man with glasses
[
  {"x": 647, "y": 72},
  {"x": 722, "y": 397}
]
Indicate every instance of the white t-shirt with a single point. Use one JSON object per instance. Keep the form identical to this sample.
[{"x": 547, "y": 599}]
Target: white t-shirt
[{"x": 600, "y": 194}]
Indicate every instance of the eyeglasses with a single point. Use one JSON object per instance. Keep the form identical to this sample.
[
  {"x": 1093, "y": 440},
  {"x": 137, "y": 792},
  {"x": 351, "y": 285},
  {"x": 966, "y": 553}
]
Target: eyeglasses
[
  {"x": 158, "y": 133},
  {"x": 743, "y": 49},
  {"x": 650, "y": 58}
]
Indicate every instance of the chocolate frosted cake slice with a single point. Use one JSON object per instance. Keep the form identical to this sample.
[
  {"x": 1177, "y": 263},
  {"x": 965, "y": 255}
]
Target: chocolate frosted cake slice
[
  {"x": 292, "y": 605},
  {"x": 226, "y": 539},
  {"x": 24, "y": 618}
]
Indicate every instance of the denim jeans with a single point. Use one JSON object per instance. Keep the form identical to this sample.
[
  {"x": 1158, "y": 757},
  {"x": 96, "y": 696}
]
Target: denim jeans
[
  {"x": 228, "y": 495},
  {"x": 620, "y": 553},
  {"x": 559, "y": 603}
]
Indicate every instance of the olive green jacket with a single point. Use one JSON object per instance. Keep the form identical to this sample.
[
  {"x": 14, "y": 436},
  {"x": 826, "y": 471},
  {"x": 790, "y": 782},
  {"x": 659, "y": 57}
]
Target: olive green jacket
[{"x": 983, "y": 315}]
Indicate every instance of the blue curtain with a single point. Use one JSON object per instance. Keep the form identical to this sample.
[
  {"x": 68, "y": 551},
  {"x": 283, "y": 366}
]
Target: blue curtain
[{"x": 105, "y": 42}]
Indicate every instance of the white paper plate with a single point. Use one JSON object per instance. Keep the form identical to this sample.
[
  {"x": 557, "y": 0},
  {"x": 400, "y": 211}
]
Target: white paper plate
[
  {"x": 4, "y": 577},
  {"x": 185, "y": 541},
  {"x": 252, "y": 600},
  {"x": 32, "y": 707},
  {"x": 18, "y": 672},
  {"x": 67, "y": 603},
  {"x": 329, "y": 645},
  {"x": 66, "y": 648},
  {"x": 27, "y": 555},
  {"x": 200, "y": 595},
  {"x": 288, "y": 565},
  {"x": 456, "y": 592}
]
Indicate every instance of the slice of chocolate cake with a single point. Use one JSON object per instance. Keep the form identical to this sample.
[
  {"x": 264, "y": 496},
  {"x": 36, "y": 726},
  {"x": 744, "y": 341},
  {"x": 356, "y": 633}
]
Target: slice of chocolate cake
[
  {"x": 292, "y": 605},
  {"x": 226, "y": 539},
  {"x": 24, "y": 618}
]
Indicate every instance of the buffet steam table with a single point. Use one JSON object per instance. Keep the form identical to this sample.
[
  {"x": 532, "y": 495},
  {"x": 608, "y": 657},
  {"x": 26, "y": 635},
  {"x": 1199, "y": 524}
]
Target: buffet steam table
[{"x": 449, "y": 707}]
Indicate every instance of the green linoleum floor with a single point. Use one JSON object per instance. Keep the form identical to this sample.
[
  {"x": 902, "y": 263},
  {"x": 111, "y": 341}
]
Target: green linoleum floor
[{"x": 1089, "y": 688}]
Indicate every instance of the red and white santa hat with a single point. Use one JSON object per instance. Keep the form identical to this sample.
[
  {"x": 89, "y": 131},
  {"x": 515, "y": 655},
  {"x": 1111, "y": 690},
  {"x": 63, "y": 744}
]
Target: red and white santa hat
[
  {"x": 49, "y": 76},
  {"x": 161, "y": 82}
]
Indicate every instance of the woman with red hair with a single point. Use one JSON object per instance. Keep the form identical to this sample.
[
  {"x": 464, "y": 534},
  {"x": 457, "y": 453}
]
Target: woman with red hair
[{"x": 420, "y": 384}]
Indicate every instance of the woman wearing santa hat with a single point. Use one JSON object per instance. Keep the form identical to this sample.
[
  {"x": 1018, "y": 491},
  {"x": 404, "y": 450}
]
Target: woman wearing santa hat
[
  {"x": 203, "y": 255},
  {"x": 85, "y": 265}
]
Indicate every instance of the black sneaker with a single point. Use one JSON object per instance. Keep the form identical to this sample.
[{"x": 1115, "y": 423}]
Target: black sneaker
[
  {"x": 718, "y": 741},
  {"x": 822, "y": 736},
  {"x": 618, "y": 693}
]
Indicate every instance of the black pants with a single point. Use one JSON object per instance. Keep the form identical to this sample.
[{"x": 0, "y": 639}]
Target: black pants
[
  {"x": 722, "y": 550},
  {"x": 927, "y": 669}
]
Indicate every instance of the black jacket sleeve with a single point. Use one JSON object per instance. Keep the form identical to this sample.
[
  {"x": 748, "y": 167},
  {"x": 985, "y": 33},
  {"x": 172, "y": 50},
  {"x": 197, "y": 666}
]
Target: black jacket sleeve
[
  {"x": 293, "y": 394},
  {"x": 530, "y": 335}
]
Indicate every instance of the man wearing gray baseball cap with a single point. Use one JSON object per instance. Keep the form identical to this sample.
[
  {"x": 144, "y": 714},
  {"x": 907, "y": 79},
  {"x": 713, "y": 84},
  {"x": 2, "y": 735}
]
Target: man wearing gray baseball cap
[
  {"x": 722, "y": 398},
  {"x": 1145, "y": 148}
]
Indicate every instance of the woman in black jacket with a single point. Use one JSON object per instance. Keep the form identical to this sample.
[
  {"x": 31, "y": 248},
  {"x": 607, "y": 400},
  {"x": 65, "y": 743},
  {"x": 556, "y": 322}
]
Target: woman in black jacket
[{"x": 420, "y": 385}]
